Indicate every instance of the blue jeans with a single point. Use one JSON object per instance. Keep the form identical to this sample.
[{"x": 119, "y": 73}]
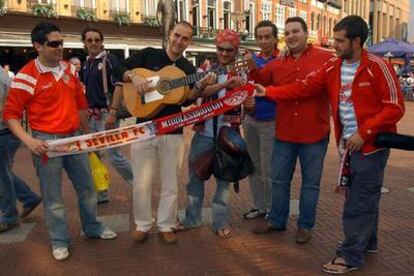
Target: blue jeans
[
  {"x": 195, "y": 191},
  {"x": 361, "y": 207},
  {"x": 311, "y": 158},
  {"x": 120, "y": 163},
  {"x": 11, "y": 186},
  {"x": 50, "y": 177}
]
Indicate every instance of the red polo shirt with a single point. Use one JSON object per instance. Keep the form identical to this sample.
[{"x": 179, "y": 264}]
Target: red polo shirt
[
  {"x": 304, "y": 120},
  {"x": 51, "y": 98}
]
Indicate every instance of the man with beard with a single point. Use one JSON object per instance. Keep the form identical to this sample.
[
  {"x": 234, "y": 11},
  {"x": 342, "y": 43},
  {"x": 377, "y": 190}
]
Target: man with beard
[{"x": 365, "y": 99}]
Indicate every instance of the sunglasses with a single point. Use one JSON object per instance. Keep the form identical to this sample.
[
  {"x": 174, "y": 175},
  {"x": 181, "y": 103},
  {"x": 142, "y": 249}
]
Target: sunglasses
[
  {"x": 90, "y": 40},
  {"x": 54, "y": 43},
  {"x": 228, "y": 50}
]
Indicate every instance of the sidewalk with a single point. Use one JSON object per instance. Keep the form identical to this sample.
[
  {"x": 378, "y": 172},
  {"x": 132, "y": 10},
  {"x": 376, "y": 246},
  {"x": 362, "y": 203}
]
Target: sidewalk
[{"x": 26, "y": 250}]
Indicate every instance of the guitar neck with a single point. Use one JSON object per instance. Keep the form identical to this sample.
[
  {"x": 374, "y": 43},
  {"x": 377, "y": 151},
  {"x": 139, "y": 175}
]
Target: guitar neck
[
  {"x": 187, "y": 80},
  {"x": 193, "y": 78}
]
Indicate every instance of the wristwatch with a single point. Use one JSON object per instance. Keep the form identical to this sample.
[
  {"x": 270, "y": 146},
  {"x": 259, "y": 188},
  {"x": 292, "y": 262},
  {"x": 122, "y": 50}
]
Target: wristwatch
[{"x": 131, "y": 75}]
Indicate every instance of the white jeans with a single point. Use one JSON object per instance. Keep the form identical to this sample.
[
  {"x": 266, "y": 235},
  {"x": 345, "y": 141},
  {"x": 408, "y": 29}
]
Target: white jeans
[{"x": 166, "y": 152}]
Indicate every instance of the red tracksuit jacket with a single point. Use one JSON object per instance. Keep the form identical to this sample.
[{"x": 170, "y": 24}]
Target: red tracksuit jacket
[{"x": 376, "y": 95}]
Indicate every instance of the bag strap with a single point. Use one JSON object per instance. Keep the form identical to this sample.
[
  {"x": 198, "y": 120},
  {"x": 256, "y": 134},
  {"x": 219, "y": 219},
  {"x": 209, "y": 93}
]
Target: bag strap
[{"x": 105, "y": 79}]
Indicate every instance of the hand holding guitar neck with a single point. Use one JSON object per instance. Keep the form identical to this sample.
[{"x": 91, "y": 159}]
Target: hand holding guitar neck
[
  {"x": 209, "y": 79},
  {"x": 140, "y": 84}
]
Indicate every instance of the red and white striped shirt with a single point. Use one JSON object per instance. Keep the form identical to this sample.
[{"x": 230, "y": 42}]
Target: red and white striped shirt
[{"x": 51, "y": 97}]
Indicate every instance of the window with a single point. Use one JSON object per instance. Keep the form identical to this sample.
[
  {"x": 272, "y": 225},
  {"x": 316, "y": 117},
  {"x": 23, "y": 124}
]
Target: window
[
  {"x": 304, "y": 15},
  {"x": 84, "y": 3},
  {"x": 226, "y": 14},
  {"x": 250, "y": 23},
  {"x": 318, "y": 22},
  {"x": 267, "y": 10},
  {"x": 195, "y": 13},
  {"x": 292, "y": 12},
  {"x": 45, "y": 1},
  {"x": 180, "y": 9},
  {"x": 280, "y": 16},
  {"x": 312, "y": 22},
  {"x": 211, "y": 14},
  {"x": 150, "y": 6}
]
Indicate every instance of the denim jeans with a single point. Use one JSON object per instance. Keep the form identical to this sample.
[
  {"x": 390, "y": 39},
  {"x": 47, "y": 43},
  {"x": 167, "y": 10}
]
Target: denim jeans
[
  {"x": 11, "y": 186},
  {"x": 50, "y": 177},
  {"x": 120, "y": 163},
  {"x": 311, "y": 158},
  {"x": 195, "y": 191},
  {"x": 361, "y": 207},
  {"x": 259, "y": 137}
]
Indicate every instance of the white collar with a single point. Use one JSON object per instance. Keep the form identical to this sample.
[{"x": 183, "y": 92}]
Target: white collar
[
  {"x": 57, "y": 71},
  {"x": 100, "y": 55}
]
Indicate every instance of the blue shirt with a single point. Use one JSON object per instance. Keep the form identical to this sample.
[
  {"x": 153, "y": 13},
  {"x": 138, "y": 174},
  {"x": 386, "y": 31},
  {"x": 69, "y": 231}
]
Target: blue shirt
[
  {"x": 91, "y": 76},
  {"x": 265, "y": 109}
]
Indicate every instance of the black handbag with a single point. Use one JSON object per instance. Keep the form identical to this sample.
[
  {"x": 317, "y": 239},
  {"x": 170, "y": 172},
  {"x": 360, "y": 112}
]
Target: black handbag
[{"x": 232, "y": 162}]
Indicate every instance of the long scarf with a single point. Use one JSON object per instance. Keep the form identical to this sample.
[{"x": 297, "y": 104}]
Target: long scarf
[{"x": 147, "y": 130}]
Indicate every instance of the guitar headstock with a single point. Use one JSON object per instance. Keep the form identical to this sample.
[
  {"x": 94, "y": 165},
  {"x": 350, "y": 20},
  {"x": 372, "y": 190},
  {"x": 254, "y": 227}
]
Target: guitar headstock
[{"x": 239, "y": 66}]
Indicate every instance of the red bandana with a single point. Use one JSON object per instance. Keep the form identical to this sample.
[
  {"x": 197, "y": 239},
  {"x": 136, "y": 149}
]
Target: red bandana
[{"x": 228, "y": 35}]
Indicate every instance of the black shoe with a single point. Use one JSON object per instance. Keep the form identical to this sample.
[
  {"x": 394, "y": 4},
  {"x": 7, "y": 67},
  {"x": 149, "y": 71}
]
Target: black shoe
[
  {"x": 253, "y": 213},
  {"x": 28, "y": 210},
  {"x": 7, "y": 226}
]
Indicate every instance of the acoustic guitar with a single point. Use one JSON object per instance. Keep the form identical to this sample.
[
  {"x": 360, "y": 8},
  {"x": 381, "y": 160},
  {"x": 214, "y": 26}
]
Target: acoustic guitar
[{"x": 167, "y": 86}]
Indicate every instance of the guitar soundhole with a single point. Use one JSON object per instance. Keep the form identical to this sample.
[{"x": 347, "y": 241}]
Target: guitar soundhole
[{"x": 164, "y": 86}]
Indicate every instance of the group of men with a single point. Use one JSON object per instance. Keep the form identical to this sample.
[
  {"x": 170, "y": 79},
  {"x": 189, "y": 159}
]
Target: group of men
[{"x": 308, "y": 84}]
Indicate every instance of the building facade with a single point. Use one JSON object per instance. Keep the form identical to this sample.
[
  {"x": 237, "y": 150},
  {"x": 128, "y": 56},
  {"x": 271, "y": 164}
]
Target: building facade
[
  {"x": 130, "y": 25},
  {"x": 389, "y": 18}
]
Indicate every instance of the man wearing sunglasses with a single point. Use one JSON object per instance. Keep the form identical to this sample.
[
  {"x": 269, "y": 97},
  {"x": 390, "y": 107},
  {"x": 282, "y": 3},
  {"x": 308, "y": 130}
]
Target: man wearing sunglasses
[
  {"x": 49, "y": 90},
  {"x": 97, "y": 73}
]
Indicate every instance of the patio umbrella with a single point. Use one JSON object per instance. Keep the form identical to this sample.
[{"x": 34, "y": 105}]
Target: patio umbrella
[{"x": 392, "y": 48}]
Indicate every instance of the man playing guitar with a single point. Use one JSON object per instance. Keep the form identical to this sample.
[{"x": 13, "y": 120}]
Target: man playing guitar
[{"x": 166, "y": 151}]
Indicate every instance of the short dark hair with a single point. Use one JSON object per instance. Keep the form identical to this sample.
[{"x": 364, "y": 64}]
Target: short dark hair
[
  {"x": 266, "y": 23},
  {"x": 91, "y": 29},
  {"x": 41, "y": 30},
  {"x": 354, "y": 27},
  {"x": 185, "y": 23},
  {"x": 299, "y": 20}
]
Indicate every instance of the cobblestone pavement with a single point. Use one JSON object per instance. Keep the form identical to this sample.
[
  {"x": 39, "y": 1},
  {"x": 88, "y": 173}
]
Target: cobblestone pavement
[{"x": 26, "y": 250}]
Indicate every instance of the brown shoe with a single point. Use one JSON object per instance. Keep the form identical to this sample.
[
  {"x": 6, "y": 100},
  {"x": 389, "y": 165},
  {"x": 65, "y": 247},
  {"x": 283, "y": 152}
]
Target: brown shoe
[
  {"x": 265, "y": 227},
  {"x": 168, "y": 237},
  {"x": 303, "y": 235},
  {"x": 139, "y": 236}
]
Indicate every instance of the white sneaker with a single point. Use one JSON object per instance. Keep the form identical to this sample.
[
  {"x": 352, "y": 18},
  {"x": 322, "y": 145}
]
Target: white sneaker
[
  {"x": 108, "y": 234},
  {"x": 61, "y": 253}
]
